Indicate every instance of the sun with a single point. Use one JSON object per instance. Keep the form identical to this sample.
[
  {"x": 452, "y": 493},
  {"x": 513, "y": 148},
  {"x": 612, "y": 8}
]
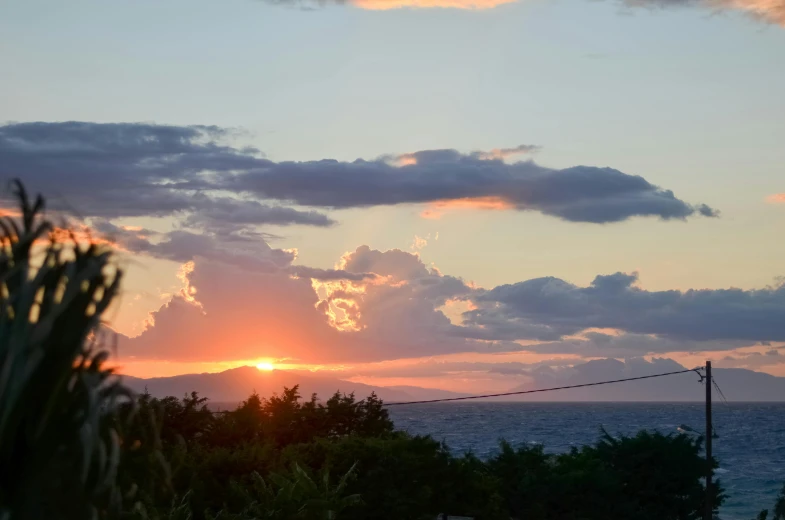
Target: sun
[{"x": 265, "y": 367}]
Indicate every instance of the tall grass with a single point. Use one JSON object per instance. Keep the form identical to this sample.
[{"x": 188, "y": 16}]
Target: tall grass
[{"x": 59, "y": 448}]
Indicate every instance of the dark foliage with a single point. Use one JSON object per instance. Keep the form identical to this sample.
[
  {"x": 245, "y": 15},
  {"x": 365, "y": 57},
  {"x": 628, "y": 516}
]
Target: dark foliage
[
  {"x": 648, "y": 476},
  {"x": 778, "y": 513},
  {"x": 216, "y": 458},
  {"x": 59, "y": 441}
]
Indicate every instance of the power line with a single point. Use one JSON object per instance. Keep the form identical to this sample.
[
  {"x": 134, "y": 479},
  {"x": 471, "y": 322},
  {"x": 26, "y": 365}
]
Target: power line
[
  {"x": 466, "y": 398},
  {"x": 714, "y": 380}
]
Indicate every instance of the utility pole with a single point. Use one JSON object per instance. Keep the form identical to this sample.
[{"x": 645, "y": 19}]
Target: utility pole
[{"x": 709, "y": 431}]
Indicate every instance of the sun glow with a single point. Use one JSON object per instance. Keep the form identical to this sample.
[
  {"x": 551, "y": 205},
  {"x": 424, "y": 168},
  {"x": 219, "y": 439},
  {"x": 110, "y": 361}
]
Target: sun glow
[{"x": 265, "y": 367}]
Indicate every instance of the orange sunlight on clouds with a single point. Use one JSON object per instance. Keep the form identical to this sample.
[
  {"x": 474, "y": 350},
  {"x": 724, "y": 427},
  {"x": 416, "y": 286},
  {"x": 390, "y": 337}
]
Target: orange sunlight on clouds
[
  {"x": 777, "y": 198},
  {"x": 188, "y": 292},
  {"x": 438, "y": 208},
  {"x": 771, "y": 10}
]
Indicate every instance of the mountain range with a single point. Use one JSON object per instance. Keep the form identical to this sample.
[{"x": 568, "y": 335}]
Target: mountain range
[
  {"x": 232, "y": 386},
  {"x": 736, "y": 384}
]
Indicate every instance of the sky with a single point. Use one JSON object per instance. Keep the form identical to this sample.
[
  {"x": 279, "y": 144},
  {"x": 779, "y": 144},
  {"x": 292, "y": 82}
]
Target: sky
[{"x": 423, "y": 192}]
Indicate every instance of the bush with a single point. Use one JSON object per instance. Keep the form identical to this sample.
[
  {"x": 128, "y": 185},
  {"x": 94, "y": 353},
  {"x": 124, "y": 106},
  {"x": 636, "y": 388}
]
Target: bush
[{"x": 648, "y": 476}]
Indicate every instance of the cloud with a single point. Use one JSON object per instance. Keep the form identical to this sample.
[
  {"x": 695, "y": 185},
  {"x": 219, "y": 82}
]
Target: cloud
[
  {"x": 136, "y": 169},
  {"x": 419, "y": 242},
  {"x": 429, "y": 4},
  {"x": 254, "y": 255},
  {"x": 551, "y": 308},
  {"x": 752, "y": 360},
  {"x": 329, "y": 275},
  {"x": 383, "y": 5},
  {"x": 437, "y": 209},
  {"x": 248, "y": 314},
  {"x": 184, "y": 246},
  {"x": 777, "y": 198},
  {"x": 387, "y": 305},
  {"x": 504, "y": 153},
  {"x": 409, "y": 159},
  {"x": 578, "y": 194},
  {"x": 401, "y": 307},
  {"x": 771, "y": 11},
  {"x": 229, "y": 214}
]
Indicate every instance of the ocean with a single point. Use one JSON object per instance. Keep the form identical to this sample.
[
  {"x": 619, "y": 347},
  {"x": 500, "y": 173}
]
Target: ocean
[{"x": 750, "y": 446}]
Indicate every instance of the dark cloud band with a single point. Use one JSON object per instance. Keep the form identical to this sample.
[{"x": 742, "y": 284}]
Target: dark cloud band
[
  {"x": 146, "y": 169},
  {"x": 550, "y": 309}
]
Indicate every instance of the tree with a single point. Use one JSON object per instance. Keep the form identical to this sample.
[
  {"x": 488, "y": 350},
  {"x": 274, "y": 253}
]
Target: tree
[{"x": 779, "y": 508}]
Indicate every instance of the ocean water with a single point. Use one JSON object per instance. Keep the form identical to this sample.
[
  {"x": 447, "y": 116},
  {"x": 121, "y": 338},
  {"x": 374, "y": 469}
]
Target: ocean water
[{"x": 750, "y": 447}]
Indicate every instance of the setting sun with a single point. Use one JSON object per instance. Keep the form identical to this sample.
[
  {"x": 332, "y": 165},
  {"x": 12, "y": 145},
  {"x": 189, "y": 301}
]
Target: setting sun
[{"x": 266, "y": 367}]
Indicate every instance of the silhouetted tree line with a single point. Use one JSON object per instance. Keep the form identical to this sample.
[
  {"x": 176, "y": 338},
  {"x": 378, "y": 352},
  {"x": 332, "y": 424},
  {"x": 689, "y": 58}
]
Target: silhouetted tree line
[
  {"x": 76, "y": 444},
  {"x": 268, "y": 444}
]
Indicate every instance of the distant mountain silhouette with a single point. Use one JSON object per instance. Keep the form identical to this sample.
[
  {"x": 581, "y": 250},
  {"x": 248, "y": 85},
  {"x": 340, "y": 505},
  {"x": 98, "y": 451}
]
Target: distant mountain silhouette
[
  {"x": 232, "y": 386},
  {"x": 420, "y": 394},
  {"x": 226, "y": 389},
  {"x": 737, "y": 384}
]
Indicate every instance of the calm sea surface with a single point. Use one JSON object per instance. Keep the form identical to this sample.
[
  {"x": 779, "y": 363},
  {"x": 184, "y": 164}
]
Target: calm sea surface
[{"x": 750, "y": 447}]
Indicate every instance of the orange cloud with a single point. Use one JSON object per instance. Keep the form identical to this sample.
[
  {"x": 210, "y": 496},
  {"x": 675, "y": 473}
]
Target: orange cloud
[
  {"x": 13, "y": 213},
  {"x": 82, "y": 235},
  {"x": 438, "y": 208},
  {"x": 406, "y": 159},
  {"x": 777, "y": 198},
  {"x": 382, "y": 5},
  {"x": 339, "y": 303},
  {"x": 503, "y": 153},
  {"x": 420, "y": 242},
  {"x": 188, "y": 292},
  {"x": 770, "y": 10}
]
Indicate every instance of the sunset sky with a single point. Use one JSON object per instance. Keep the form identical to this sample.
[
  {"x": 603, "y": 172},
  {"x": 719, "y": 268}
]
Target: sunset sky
[{"x": 444, "y": 193}]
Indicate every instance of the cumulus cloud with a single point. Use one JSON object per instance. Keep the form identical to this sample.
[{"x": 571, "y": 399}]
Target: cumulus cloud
[
  {"x": 386, "y": 305},
  {"x": 551, "y": 308},
  {"x": 329, "y": 275},
  {"x": 145, "y": 169},
  {"x": 248, "y": 314},
  {"x": 254, "y": 255}
]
